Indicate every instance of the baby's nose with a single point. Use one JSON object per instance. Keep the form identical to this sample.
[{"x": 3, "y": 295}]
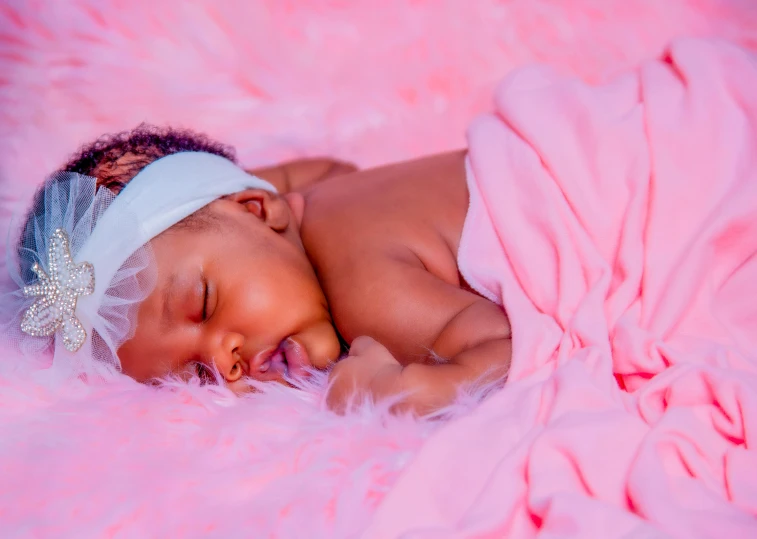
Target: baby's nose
[{"x": 225, "y": 353}]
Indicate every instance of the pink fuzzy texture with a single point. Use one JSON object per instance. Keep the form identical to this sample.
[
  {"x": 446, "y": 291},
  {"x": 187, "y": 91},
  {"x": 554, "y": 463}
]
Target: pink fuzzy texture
[{"x": 277, "y": 79}]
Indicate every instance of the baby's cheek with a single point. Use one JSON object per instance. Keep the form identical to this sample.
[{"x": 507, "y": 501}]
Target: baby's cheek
[{"x": 322, "y": 344}]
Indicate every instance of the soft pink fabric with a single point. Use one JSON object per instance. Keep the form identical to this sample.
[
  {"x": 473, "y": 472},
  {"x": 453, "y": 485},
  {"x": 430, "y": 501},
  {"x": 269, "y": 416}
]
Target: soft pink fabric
[
  {"x": 617, "y": 225},
  {"x": 277, "y": 79}
]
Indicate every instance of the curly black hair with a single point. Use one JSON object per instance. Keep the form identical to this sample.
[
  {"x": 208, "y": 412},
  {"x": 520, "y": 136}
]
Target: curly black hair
[{"x": 114, "y": 160}]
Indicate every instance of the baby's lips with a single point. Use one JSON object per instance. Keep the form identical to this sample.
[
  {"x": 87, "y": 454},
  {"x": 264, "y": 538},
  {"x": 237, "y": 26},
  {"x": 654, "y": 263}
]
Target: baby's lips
[{"x": 297, "y": 358}]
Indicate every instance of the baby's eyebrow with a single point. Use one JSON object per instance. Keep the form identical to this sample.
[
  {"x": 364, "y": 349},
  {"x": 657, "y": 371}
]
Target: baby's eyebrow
[{"x": 167, "y": 319}]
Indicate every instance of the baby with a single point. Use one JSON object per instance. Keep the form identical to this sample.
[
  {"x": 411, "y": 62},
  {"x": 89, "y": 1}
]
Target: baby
[{"x": 265, "y": 284}]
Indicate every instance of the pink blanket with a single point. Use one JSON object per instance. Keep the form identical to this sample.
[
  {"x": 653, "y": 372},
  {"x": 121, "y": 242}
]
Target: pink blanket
[{"x": 617, "y": 225}]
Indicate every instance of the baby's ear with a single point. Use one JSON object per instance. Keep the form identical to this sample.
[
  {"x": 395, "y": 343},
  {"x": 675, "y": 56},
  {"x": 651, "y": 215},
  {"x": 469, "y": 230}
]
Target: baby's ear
[{"x": 265, "y": 205}]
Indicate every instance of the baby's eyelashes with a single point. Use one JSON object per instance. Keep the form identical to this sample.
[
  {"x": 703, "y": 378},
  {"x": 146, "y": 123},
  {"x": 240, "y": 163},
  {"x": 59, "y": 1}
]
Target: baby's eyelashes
[
  {"x": 197, "y": 304},
  {"x": 209, "y": 299},
  {"x": 204, "y": 300}
]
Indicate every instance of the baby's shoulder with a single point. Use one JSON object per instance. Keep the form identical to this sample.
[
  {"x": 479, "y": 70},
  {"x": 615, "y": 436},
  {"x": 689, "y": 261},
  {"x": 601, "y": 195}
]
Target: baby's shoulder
[{"x": 377, "y": 283}]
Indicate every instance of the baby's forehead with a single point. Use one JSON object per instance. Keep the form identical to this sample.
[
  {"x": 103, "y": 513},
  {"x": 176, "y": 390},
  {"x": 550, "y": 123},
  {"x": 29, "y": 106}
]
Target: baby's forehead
[
  {"x": 203, "y": 220},
  {"x": 201, "y": 238}
]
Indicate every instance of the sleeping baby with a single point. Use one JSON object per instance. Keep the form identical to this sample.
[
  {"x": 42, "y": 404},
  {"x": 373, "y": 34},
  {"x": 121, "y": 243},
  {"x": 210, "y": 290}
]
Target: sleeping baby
[
  {"x": 277, "y": 271},
  {"x": 612, "y": 221}
]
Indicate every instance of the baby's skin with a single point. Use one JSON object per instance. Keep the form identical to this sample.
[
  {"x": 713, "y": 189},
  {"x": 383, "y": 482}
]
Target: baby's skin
[{"x": 260, "y": 288}]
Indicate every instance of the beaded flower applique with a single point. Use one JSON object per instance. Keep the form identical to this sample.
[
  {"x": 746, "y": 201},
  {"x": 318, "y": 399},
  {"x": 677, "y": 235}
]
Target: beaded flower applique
[{"x": 57, "y": 293}]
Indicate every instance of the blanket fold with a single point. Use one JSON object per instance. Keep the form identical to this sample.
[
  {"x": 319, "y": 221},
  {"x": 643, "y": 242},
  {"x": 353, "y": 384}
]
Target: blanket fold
[{"x": 617, "y": 226}]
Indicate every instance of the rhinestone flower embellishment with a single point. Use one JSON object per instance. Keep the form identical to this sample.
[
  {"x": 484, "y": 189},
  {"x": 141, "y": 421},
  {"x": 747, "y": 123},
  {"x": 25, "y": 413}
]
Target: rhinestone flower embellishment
[{"x": 57, "y": 292}]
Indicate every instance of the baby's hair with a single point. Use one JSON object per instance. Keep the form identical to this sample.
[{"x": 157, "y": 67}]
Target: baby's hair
[{"x": 114, "y": 160}]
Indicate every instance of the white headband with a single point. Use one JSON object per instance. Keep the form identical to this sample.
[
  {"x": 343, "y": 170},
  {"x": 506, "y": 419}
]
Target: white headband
[
  {"x": 161, "y": 195},
  {"x": 96, "y": 288}
]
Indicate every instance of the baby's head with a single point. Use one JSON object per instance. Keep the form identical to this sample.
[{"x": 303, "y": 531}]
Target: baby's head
[{"x": 234, "y": 290}]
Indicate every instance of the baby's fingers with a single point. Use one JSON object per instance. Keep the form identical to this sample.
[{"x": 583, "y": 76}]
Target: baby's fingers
[
  {"x": 361, "y": 345},
  {"x": 342, "y": 386}
]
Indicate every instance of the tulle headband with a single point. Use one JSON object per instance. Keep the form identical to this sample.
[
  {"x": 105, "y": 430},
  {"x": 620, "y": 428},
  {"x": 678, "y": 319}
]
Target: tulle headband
[{"x": 85, "y": 264}]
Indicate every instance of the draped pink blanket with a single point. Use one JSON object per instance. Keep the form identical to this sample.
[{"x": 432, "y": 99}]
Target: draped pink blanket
[{"x": 617, "y": 225}]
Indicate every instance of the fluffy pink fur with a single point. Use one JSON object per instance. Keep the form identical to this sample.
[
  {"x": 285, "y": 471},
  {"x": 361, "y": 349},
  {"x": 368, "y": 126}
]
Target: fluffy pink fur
[{"x": 277, "y": 79}]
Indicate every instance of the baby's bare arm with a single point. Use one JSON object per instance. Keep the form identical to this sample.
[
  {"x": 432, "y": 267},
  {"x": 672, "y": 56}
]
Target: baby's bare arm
[
  {"x": 300, "y": 174},
  {"x": 405, "y": 307},
  {"x": 480, "y": 348}
]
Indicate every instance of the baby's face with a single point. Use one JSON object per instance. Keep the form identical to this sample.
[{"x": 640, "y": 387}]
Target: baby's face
[{"x": 237, "y": 294}]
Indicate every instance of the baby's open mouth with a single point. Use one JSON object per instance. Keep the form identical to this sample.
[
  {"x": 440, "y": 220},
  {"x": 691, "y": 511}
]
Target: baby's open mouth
[
  {"x": 295, "y": 357},
  {"x": 289, "y": 359}
]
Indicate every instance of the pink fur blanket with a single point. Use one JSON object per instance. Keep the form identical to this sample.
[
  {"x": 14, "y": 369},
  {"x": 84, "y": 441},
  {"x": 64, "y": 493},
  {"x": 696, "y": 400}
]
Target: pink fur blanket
[{"x": 282, "y": 79}]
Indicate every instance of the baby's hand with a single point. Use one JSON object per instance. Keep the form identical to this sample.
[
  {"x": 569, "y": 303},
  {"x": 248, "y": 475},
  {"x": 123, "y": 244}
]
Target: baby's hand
[{"x": 369, "y": 370}]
